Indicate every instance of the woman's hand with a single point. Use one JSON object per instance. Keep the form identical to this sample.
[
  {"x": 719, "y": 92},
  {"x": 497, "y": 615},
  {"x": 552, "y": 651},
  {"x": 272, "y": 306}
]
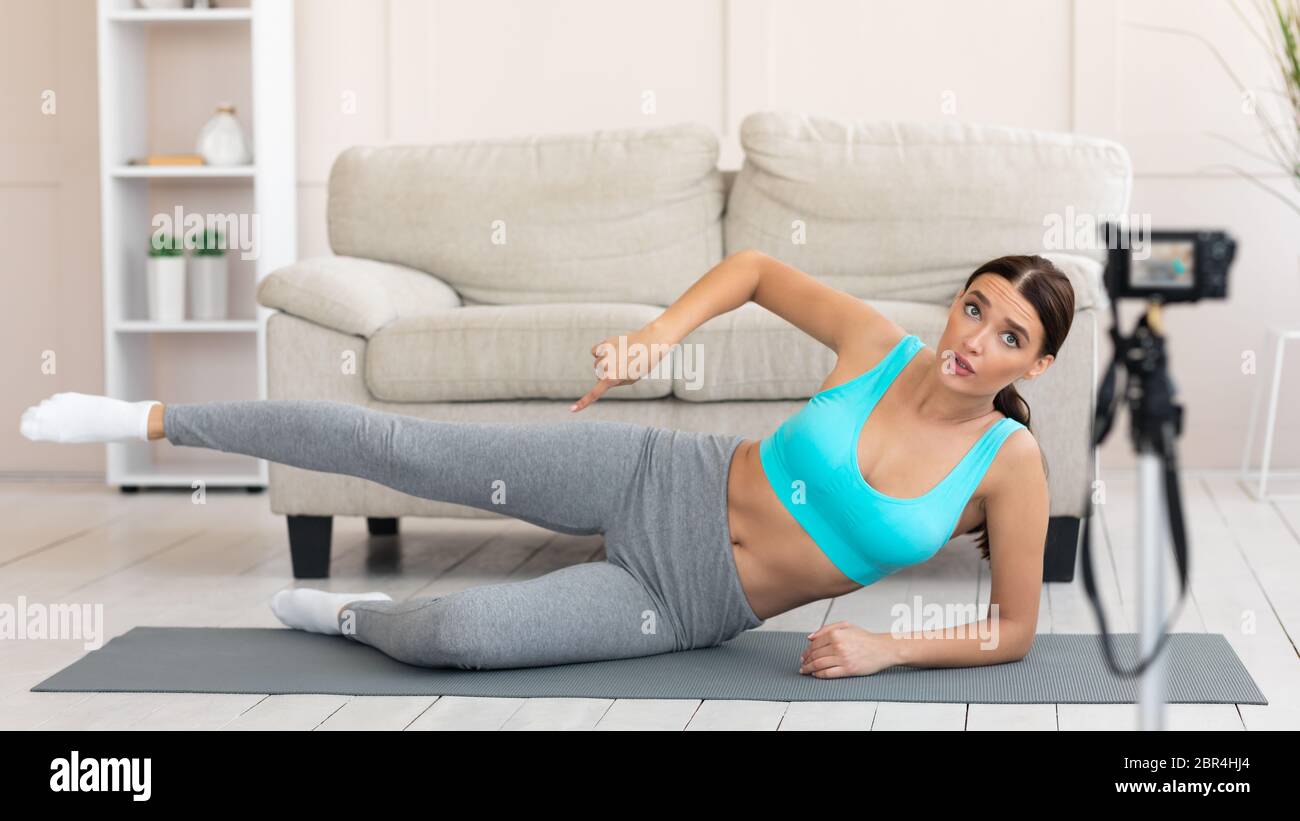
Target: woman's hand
[
  {"x": 623, "y": 363},
  {"x": 844, "y": 649}
]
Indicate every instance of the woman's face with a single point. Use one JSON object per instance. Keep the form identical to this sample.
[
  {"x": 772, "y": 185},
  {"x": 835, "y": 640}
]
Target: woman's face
[{"x": 994, "y": 330}]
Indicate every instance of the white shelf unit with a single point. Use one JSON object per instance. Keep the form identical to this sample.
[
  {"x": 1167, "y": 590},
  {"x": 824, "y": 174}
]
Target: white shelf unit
[
  {"x": 184, "y": 171},
  {"x": 133, "y": 345},
  {"x": 133, "y": 14}
]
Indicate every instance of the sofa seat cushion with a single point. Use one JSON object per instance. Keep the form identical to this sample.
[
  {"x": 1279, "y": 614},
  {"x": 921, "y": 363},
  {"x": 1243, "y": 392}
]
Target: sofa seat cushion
[
  {"x": 906, "y": 210},
  {"x": 483, "y": 352}
]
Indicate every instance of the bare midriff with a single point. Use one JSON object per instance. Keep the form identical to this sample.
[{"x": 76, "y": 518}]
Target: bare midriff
[{"x": 779, "y": 564}]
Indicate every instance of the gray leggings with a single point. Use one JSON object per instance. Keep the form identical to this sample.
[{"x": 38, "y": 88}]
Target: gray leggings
[{"x": 658, "y": 495}]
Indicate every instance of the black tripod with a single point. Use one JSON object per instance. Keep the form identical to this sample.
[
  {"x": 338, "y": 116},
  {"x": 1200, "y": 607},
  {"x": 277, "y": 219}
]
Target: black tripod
[{"x": 1156, "y": 423}]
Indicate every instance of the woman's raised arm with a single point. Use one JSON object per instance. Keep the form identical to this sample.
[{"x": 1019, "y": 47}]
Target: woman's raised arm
[
  {"x": 827, "y": 314},
  {"x": 836, "y": 319}
]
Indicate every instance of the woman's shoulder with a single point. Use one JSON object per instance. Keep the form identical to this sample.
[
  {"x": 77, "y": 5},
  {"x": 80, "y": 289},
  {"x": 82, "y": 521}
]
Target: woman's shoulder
[
  {"x": 871, "y": 347},
  {"x": 1021, "y": 443},
  {"x": 864, "y": 353},
  {"x": 1018, "y": 464}
]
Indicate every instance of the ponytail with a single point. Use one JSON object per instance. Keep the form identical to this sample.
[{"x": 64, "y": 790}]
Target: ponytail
[{"x": 1012, "y": 405}]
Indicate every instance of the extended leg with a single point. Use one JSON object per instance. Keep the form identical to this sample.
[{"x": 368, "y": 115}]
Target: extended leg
[
  {"x": 569, "y": 477},
  {"x": 583, "y": 612}
]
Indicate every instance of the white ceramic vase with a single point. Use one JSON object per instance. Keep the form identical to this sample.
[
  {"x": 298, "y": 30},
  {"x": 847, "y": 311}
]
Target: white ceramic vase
[
  {"x": 162, "y": 4},
  {"x": 166, "y": 285},
  {"x": 207, "y": 286},
  {"x": 221, "y": 140}
]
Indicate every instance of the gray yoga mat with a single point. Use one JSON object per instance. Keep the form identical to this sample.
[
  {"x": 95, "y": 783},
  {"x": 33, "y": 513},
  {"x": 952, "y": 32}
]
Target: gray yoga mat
[{"x": 756, "y": 665}]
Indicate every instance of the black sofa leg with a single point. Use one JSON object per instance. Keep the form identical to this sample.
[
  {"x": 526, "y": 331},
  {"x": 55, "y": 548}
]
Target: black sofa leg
[
  {"x": 1062, "y": 548},
  {"x": 309, "y": 546},
  {"x": 381, "y": 527}
]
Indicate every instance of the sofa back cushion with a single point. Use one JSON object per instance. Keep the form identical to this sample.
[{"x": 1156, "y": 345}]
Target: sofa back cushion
[
  {"x": 907, "y": 210},
  {"x": 631, "y": 215}
]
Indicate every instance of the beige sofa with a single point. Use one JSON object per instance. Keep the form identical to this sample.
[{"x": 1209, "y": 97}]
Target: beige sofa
[{"x": 471, "y": 280}]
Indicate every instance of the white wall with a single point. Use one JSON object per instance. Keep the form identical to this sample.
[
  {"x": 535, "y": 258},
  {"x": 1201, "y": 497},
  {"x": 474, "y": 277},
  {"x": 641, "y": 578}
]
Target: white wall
[{"x": 374, "y": 71}]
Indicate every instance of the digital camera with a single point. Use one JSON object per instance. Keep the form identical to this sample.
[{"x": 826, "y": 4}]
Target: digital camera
[{"x": 1170, "y": 266}]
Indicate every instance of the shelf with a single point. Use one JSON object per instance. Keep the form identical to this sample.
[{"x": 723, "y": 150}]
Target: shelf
[
  {"x": 180, "y": 15},
  {"x": 148, "y": 358},
  {"x": 185, "y": 476},
  {"x": 138, "y": 466},
  {"x": 182, "y": 171},
  {"x": 187, "y": 326}
]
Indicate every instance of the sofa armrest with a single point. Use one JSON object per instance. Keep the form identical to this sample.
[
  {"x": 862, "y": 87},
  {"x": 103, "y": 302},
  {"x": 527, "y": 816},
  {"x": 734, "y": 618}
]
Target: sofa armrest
[{"x": 353, "y": 294}]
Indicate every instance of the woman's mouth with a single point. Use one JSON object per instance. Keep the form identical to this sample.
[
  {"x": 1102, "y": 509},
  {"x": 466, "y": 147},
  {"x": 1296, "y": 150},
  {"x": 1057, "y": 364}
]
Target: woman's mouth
[{"x": 962, "y": 367}]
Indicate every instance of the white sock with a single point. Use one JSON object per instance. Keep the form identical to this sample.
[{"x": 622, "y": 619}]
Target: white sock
[
  {"x": 86, "y": 417},
  {"x": 316, "y": 611}
]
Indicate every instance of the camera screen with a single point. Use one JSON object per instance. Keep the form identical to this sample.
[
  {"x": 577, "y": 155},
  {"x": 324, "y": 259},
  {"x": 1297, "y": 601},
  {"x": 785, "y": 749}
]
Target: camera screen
[{"x": 1168, "y": 266}]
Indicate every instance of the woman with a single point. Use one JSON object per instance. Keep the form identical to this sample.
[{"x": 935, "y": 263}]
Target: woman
[{"x": 706, "y": 535}]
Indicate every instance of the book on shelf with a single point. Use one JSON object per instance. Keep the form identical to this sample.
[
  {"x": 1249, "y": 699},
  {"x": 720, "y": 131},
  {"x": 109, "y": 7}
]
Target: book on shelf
[{"x": 167, "y": 159}]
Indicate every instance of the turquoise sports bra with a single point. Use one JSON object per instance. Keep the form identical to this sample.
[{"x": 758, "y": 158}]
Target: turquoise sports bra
[{"x": 811, "y": 461}]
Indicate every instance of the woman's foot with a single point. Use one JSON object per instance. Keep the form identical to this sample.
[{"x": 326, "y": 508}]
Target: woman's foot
[
  {"x": 316, "y": 611},
  {"x": 85, "y": 417}
]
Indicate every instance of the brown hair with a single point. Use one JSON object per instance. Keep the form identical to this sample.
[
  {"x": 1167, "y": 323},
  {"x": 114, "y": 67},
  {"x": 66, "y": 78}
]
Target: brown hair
[{"x": 1049, "y": 291}]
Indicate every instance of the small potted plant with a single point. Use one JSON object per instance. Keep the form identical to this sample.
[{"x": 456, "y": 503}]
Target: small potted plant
[
  {"x": 208, "y": 275},
  {"x": 166, "y": 278}
]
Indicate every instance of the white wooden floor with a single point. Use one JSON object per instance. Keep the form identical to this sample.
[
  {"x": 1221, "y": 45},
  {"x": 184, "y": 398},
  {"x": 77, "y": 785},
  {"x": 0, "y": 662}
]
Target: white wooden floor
[{"x": 155, "y": 558}]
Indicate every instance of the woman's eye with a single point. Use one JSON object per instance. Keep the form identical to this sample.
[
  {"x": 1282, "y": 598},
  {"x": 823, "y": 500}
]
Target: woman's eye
[{"x": 1015, "y": 340}]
